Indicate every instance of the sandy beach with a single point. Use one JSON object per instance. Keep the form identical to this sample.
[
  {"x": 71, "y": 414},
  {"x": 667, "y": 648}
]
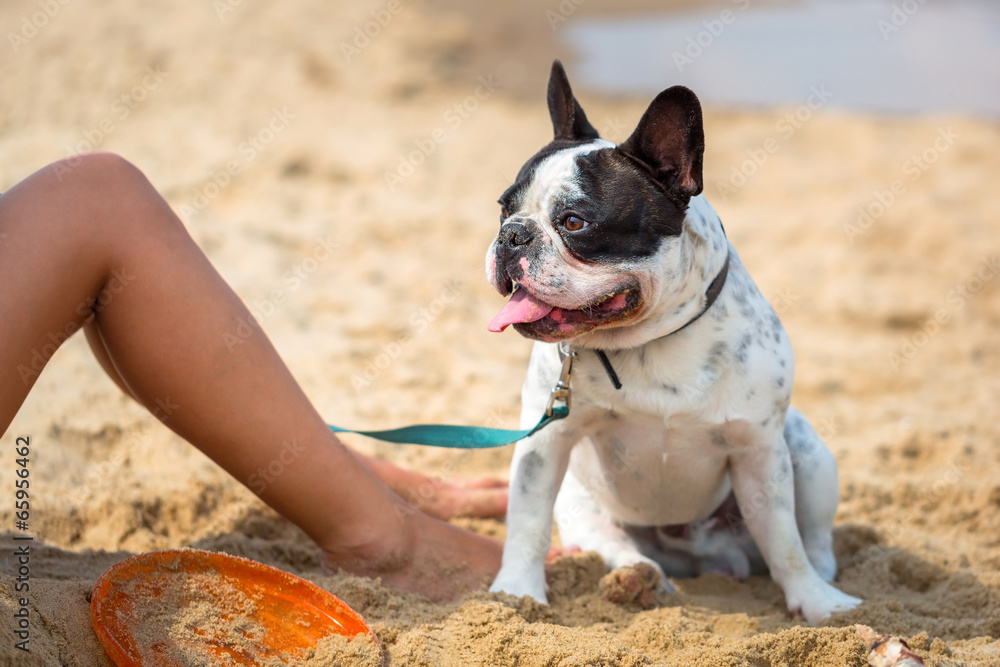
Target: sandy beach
[{"x": 348, "y": 196}]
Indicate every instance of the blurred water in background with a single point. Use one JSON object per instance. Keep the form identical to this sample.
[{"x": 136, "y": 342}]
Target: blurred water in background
[{"x": 881, "y": 56}]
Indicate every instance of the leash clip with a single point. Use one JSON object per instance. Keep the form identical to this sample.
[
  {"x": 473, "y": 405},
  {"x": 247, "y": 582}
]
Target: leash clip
[{"x": 561, "y": 392}]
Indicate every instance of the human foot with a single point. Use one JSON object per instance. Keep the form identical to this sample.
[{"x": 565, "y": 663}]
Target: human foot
[
  {"x": 422, "y": 555},
  {"x": 442, "y": 499},
  {"x": 482, "y": 498}
]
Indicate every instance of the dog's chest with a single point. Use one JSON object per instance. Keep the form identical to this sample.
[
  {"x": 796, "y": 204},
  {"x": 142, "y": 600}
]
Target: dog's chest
[{"x": 649, "y": 453}]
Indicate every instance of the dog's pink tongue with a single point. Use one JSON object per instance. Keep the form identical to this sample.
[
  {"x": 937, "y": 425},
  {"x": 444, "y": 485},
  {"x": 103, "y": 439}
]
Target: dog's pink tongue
[{"x": 522, "y": 307}]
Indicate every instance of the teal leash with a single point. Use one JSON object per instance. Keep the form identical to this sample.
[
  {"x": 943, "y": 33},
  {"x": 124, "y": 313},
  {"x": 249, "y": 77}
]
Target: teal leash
[
  {"x": 479, "y": 437},
  {"x": 456, "y": 437}
]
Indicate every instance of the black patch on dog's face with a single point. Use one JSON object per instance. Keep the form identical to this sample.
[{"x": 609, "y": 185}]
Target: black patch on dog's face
[{"x": 628, "y": 214}]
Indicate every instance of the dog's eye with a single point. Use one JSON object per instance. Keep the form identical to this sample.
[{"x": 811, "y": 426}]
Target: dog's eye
[
  {"x": 574, "y": 224},
  {"x": 503, "y": 213}
]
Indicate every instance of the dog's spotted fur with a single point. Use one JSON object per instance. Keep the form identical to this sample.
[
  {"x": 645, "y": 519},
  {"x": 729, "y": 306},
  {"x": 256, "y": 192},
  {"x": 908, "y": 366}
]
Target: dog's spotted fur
[{"x": 697, "y": 463}]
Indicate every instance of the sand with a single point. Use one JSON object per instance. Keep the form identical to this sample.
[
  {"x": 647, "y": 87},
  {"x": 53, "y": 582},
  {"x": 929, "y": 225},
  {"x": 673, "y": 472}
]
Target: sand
[{"x": 374, "y": 294}]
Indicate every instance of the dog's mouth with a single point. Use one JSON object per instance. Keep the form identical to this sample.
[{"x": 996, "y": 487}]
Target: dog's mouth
[{"x": 533, "y": 318}]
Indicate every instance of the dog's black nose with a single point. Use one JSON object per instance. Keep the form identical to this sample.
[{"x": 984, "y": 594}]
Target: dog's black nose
[{"x": 515, "y": 234}]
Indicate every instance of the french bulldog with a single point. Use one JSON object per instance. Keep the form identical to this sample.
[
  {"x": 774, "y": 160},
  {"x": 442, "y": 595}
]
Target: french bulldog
[{"x": 680, "y": 450}]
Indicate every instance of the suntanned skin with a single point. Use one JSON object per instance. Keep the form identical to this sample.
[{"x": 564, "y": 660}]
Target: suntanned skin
[
  {"x": 483, "y": 497},
  {"x": 63, "y": 237}
]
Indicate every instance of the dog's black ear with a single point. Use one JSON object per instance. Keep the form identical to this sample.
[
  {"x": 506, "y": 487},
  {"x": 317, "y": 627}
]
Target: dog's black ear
[
  {"x": 670, "y": 140},
  {"x": 568, "y": 119}
]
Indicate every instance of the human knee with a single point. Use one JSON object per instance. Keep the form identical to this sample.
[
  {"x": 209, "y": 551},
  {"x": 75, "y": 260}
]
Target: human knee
[
  {"x": 104, "y": 189},
  {"x": 97, "y": 171},
  {"x": 73, "y": 195}
]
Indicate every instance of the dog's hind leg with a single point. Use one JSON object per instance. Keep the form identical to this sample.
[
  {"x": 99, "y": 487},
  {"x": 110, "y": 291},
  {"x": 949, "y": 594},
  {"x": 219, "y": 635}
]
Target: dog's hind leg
[{"x": 817, "y": 492}]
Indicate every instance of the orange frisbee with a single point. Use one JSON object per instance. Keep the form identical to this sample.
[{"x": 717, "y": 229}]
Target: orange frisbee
[{"x": 185, "y": 607}]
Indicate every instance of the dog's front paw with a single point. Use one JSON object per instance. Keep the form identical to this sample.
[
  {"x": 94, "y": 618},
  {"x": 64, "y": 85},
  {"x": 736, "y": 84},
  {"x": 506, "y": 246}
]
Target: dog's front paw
[
  {"x": 634, "y": 583},
  {"x": 818, "y": 602},
  {"x": 823, "y": 561},
  {"x": 520, "y": 585}
]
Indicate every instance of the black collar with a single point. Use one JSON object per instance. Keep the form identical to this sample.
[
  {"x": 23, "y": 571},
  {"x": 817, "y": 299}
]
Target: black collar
[{"x": 711, "y": 294}]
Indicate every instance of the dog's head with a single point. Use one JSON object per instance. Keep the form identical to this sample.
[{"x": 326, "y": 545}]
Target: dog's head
[{"x": 590, "y": 233}]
